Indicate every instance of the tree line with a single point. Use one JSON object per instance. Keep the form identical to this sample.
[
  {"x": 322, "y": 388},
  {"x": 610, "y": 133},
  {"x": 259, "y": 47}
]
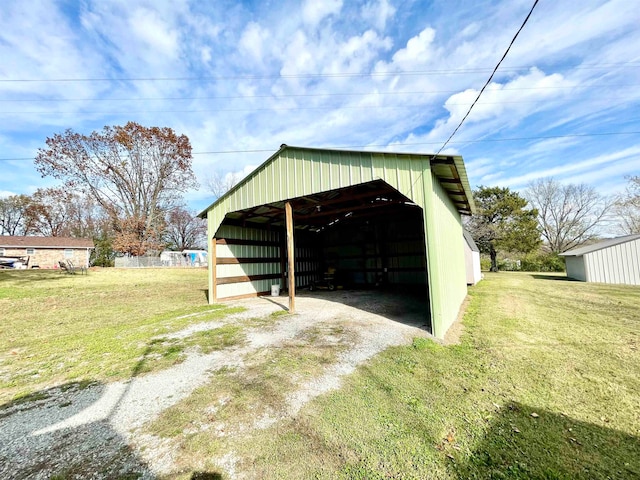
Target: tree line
[
  {"x": 122, "y": 187},
  {"x": 550, "y": 218}
]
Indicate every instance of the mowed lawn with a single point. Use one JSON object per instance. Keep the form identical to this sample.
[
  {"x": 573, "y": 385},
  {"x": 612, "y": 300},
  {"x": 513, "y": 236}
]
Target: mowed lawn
[
  {"x": 545, "y": 382},
  {"x": 57, "y": 328}
]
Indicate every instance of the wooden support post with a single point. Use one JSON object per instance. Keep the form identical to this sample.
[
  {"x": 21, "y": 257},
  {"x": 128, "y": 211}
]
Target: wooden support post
[
  {"x": 214, "y": 274},
  {"x": 291, "y": 257},
  {"x": 283, "y": 258}
]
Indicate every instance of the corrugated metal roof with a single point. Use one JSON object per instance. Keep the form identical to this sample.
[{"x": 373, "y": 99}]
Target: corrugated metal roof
[
  {"x": 610, "y": 242},
  {"x": 7, "y": 241},
  {"x": 449, "y": 169}
]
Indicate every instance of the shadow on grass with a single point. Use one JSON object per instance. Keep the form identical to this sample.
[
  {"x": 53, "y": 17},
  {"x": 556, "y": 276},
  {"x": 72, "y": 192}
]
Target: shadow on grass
[
  {"x": 551, "y": 446},
  {"x": 538, "y": 276},
  {"x": 45, "y": 435},
  {"x": 206, "y": 476},
  {"x": 32, "y": 275}
]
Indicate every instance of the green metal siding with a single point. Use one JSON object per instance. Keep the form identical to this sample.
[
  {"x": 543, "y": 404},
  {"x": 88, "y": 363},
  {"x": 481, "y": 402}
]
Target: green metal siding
[
  {"x": 445, "y": 259},
  {"x": 246, "y": 251},
  {"x": 294, "y": 172}
]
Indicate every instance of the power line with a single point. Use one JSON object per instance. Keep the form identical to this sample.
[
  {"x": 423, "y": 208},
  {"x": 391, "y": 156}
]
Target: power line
[
  {"x": 305, "y": 95},
  {"x": 489, "y": 79},
  {"x": 268, "y": 109},
  {"x": 392, "y": 145},
  {"x": 461, "y": 71}
]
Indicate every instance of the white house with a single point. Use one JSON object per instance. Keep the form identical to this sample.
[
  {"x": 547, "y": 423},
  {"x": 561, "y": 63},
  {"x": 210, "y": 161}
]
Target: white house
[
  {"x": 471, "y": 259},
  {"x": 615, "y": 260}
]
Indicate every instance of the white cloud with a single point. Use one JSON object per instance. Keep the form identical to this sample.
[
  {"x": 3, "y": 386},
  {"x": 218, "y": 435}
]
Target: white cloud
[
  {"x": 586, "y": 166},
  {"x": 419, "y": 50},
  {"x": 501, "y": 104},
  {"x": 378, "y": 12},
  {"x": 236, "y": 98},
  {"x": 253, "y": 39},
  {"x": 153, "y": 31},
  {"x": 314, "y": 11}
]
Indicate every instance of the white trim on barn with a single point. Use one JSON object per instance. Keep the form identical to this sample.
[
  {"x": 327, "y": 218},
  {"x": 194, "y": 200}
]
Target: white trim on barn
[
  {"x": 471, "y": 259},
  {"x": 615, "y": 260}
]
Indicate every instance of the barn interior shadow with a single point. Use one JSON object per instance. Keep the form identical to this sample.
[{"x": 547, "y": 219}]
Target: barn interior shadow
[
  {"x": 408, "y": 306},
  {"x": 551, "y": 446}
]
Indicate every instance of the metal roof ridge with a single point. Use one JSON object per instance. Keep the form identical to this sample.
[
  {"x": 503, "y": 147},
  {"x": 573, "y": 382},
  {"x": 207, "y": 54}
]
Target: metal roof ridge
[
  {"x": 602, "y": 244},
  {"x": 457, "y": 163}
]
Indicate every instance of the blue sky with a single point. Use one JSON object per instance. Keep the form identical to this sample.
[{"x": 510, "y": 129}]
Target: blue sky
[{"x": 377, "y": 74}]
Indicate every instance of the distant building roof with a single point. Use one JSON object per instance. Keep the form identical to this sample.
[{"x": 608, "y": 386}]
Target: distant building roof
[
  {"x": 610, "y": 242},
  {"x": 7, "y": 241},
  {"x": 469, "y": 239}
]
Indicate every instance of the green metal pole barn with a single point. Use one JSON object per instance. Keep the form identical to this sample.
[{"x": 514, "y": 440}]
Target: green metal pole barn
[{"x": 381, "y": 217}]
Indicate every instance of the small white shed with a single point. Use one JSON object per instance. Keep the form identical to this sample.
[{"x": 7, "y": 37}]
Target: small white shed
[
  {"x": 471, "y": 259},
  {"x": 615, "y": 260}
]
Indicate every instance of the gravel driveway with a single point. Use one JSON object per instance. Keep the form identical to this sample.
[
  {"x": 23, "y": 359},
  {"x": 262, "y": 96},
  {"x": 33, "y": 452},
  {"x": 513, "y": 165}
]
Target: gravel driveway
[{"x": 93, "y": 431}]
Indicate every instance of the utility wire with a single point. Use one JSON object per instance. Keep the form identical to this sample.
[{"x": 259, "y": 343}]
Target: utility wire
[
  {"x": 489, "y": 79},
  {"x": 461, "y": 71},
  {"x": 392, "y": 145},
  {"x": 267, "y": 109},
  {"x": 304, "y": 95}
]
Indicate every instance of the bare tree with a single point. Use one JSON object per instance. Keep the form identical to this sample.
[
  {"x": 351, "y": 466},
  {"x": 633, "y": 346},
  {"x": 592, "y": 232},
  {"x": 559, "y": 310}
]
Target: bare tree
[
  {"x": 627, "y": 207},
  {"x": 219, "y": 184},
  {"x": 135, "y": 173},
  {"x": 56, "y": 212},
  {"x": 49, "y": 212},
  {"x": 184, "y": 230},
  {"x": 14, "y": 219},
  {"x": 569, "y": 215}
]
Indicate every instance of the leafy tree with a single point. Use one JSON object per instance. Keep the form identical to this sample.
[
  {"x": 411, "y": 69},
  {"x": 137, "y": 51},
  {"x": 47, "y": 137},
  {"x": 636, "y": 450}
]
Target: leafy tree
[
  {"x": 14, "y": 219},
  {"x": 184, "y": 230},
  {"x": 103, "y": 254},
  {"x": 503, "y": 223},
  {"x": 134, "y": 236},
  {"x": 134, "y": 173},
  {"x": 627, "y": 207},
  {"x": 569, "y": 215}
]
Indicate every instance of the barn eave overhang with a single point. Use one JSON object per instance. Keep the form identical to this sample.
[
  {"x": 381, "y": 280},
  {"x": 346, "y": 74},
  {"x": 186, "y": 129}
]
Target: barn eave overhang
[{"x": 448, "y": 169}]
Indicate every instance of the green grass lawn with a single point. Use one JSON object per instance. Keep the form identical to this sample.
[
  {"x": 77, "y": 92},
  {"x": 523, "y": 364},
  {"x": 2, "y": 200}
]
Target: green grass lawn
[
  {"x": 58, "y": 328},
  {"x": 544, "y": 384}
]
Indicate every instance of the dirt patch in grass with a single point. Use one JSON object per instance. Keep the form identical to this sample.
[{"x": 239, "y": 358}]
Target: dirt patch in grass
[{"x": 164, "y": 352}]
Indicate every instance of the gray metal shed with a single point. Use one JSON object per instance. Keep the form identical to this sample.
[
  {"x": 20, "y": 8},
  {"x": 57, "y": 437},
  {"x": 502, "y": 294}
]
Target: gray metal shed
[{"x": 615, "y": 260}]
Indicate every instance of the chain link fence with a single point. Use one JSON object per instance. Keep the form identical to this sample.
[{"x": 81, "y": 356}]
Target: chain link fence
[{"x": 152, "y": 262}]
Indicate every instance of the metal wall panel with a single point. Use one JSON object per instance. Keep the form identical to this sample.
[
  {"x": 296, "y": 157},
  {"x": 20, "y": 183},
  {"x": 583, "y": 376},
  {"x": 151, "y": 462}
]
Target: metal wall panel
[
  {"x": 618, "y": 264},
  {"x": 576, "y": 268},
  {"x": 445, "y": 257},
  {"x": 259, "y": 252}
]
